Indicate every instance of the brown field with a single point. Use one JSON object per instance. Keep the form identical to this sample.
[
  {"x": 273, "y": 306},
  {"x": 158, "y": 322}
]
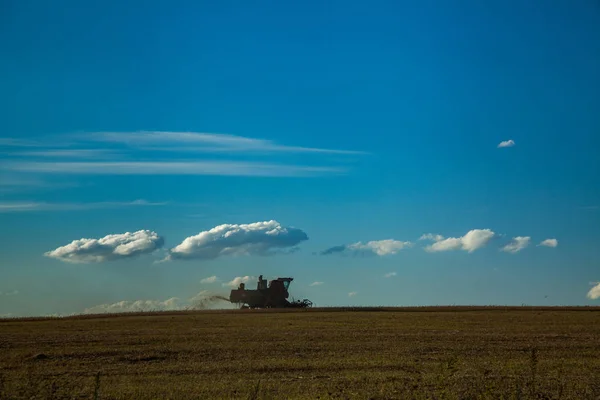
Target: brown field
[{"x": 380, "y": 353}]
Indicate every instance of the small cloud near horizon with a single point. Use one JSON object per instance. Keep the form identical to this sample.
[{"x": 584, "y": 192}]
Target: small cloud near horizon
[
  {"x": 210, "y": 279},
  {"x": 235, "y": 282},
  {"x": 471, "y": 241},
  {"x": 352, "y": 294},
  {"x": 594, "y": 292},
  {"x": 316, "y": 284},
  {"x": 549, "y": 243},
  {"x": 506, "y": 143},
  {"x": 517, "y": 244},
  {"x": 390, "y": 274},
  {"x": 374, "y": 247}
]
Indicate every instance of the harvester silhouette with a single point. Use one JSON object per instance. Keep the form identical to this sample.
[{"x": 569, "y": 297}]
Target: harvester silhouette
[{"x": 275, "y": 295}]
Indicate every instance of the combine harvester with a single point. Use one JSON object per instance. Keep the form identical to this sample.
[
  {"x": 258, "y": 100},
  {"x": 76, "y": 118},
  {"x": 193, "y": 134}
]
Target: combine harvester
[{"x": 275, "y": 295}]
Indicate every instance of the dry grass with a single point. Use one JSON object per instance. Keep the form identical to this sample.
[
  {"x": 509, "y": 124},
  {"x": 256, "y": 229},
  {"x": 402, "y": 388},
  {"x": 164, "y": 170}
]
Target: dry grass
[{"x": 438, "y": 353}]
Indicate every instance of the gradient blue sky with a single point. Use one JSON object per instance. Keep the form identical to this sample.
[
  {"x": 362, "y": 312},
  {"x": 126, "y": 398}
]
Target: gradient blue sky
[{"x": 418, "y": 94}]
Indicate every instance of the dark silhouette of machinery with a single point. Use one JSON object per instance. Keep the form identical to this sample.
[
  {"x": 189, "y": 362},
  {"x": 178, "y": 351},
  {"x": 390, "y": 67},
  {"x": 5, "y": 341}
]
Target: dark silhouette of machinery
[{"x": 273, "y": 295}]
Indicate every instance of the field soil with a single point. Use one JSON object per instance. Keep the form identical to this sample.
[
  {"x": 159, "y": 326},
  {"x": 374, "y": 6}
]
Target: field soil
[{"x": 427, "y": 353}]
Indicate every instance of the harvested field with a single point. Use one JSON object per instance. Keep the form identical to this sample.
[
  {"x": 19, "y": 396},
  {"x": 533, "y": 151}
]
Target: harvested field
[{"x": 433, "y": 353}]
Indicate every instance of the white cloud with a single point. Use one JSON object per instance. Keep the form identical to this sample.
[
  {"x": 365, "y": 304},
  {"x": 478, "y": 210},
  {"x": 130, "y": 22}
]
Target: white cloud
[
  {"x": 227, "y": 168},
  {"x": 11, "y": 293},
  {"x": 431, "y": 236},
  {"x": 506, "y": 143},
  {"x": 378, "y": 247},
  {"x": 517, "y": 244},
  {"x": 259, "y": 238},
  {"x": 471, "y": 241},
  {"x": 22, "y": 206},
  {"x": 352, "y": 294},
  {"x": 199, "y": 141},
  {"x": 390, "y": 274},
  {"x": 549, "y": 243},
  {"x": 594, "y": 292},
  {"x": 136, "y": 306},
  {"x": 235, "y": 282},
  {"x": 210, "y": 279},
  {"x": 108, "y": 248},
  {"x": 316, "y": 284}
]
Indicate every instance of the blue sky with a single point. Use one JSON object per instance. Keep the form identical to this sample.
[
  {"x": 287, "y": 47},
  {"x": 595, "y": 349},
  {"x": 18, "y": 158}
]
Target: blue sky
[{"x": 347, "y": 122}]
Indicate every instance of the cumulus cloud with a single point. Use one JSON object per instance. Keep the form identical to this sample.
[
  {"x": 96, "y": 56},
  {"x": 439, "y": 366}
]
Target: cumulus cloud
[
  {"x": 316, "y": 284},
  {"x": 259, "y": 238},
  {"x": 210, "y": 279},
  {"x": 235, "y": 282},
  {"x": 594, "y": 292},
  {"x": 506, "y": 143},
  {"x": 549, "y": 243},
  {"x": 109, "y": 248},
  {"x": 471, "y": 241},
  {"x": 517, "y": 244},
  {"x": 377, "y": 247},
  {"x": 352, "y": 294},
  {"x": 390, "y": 274}
]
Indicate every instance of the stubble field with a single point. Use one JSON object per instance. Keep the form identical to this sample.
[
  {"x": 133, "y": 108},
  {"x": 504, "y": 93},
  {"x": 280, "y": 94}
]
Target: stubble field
[{"x": 436, "y": 353}]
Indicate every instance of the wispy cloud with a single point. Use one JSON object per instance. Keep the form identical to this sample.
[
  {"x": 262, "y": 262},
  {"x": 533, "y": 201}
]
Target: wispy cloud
[
  {"x": 549, "y": 243},
  {"x": 109, "y": 248},
  {"x": 471, "y": 241},
  {"x": 594, "y": 292},
  {"x": 377, "y": 247},
  {"x": 68, "y": 153},
  {"x": 517, "y": 244},
  {"x": 11, "y": 293},
  {"x": 15, "y": 142},
  {"x": 506, "y": 143},
  {"x": 19, "y": 182},
  {"x": 203, "y": 142},
  {"x": 316, "y": 284},
  {"x": 390, "y": 274},
  {"x": 590, "y": 208},
  {"x": 258, "y": 238},
  {"x": 352, "y": 294},
  {"x": 93, "y": 153},
  {"x": 230, "y": 168},
  {"x": 24, "y": 206},
  {"x": 210, "y": 279}
]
